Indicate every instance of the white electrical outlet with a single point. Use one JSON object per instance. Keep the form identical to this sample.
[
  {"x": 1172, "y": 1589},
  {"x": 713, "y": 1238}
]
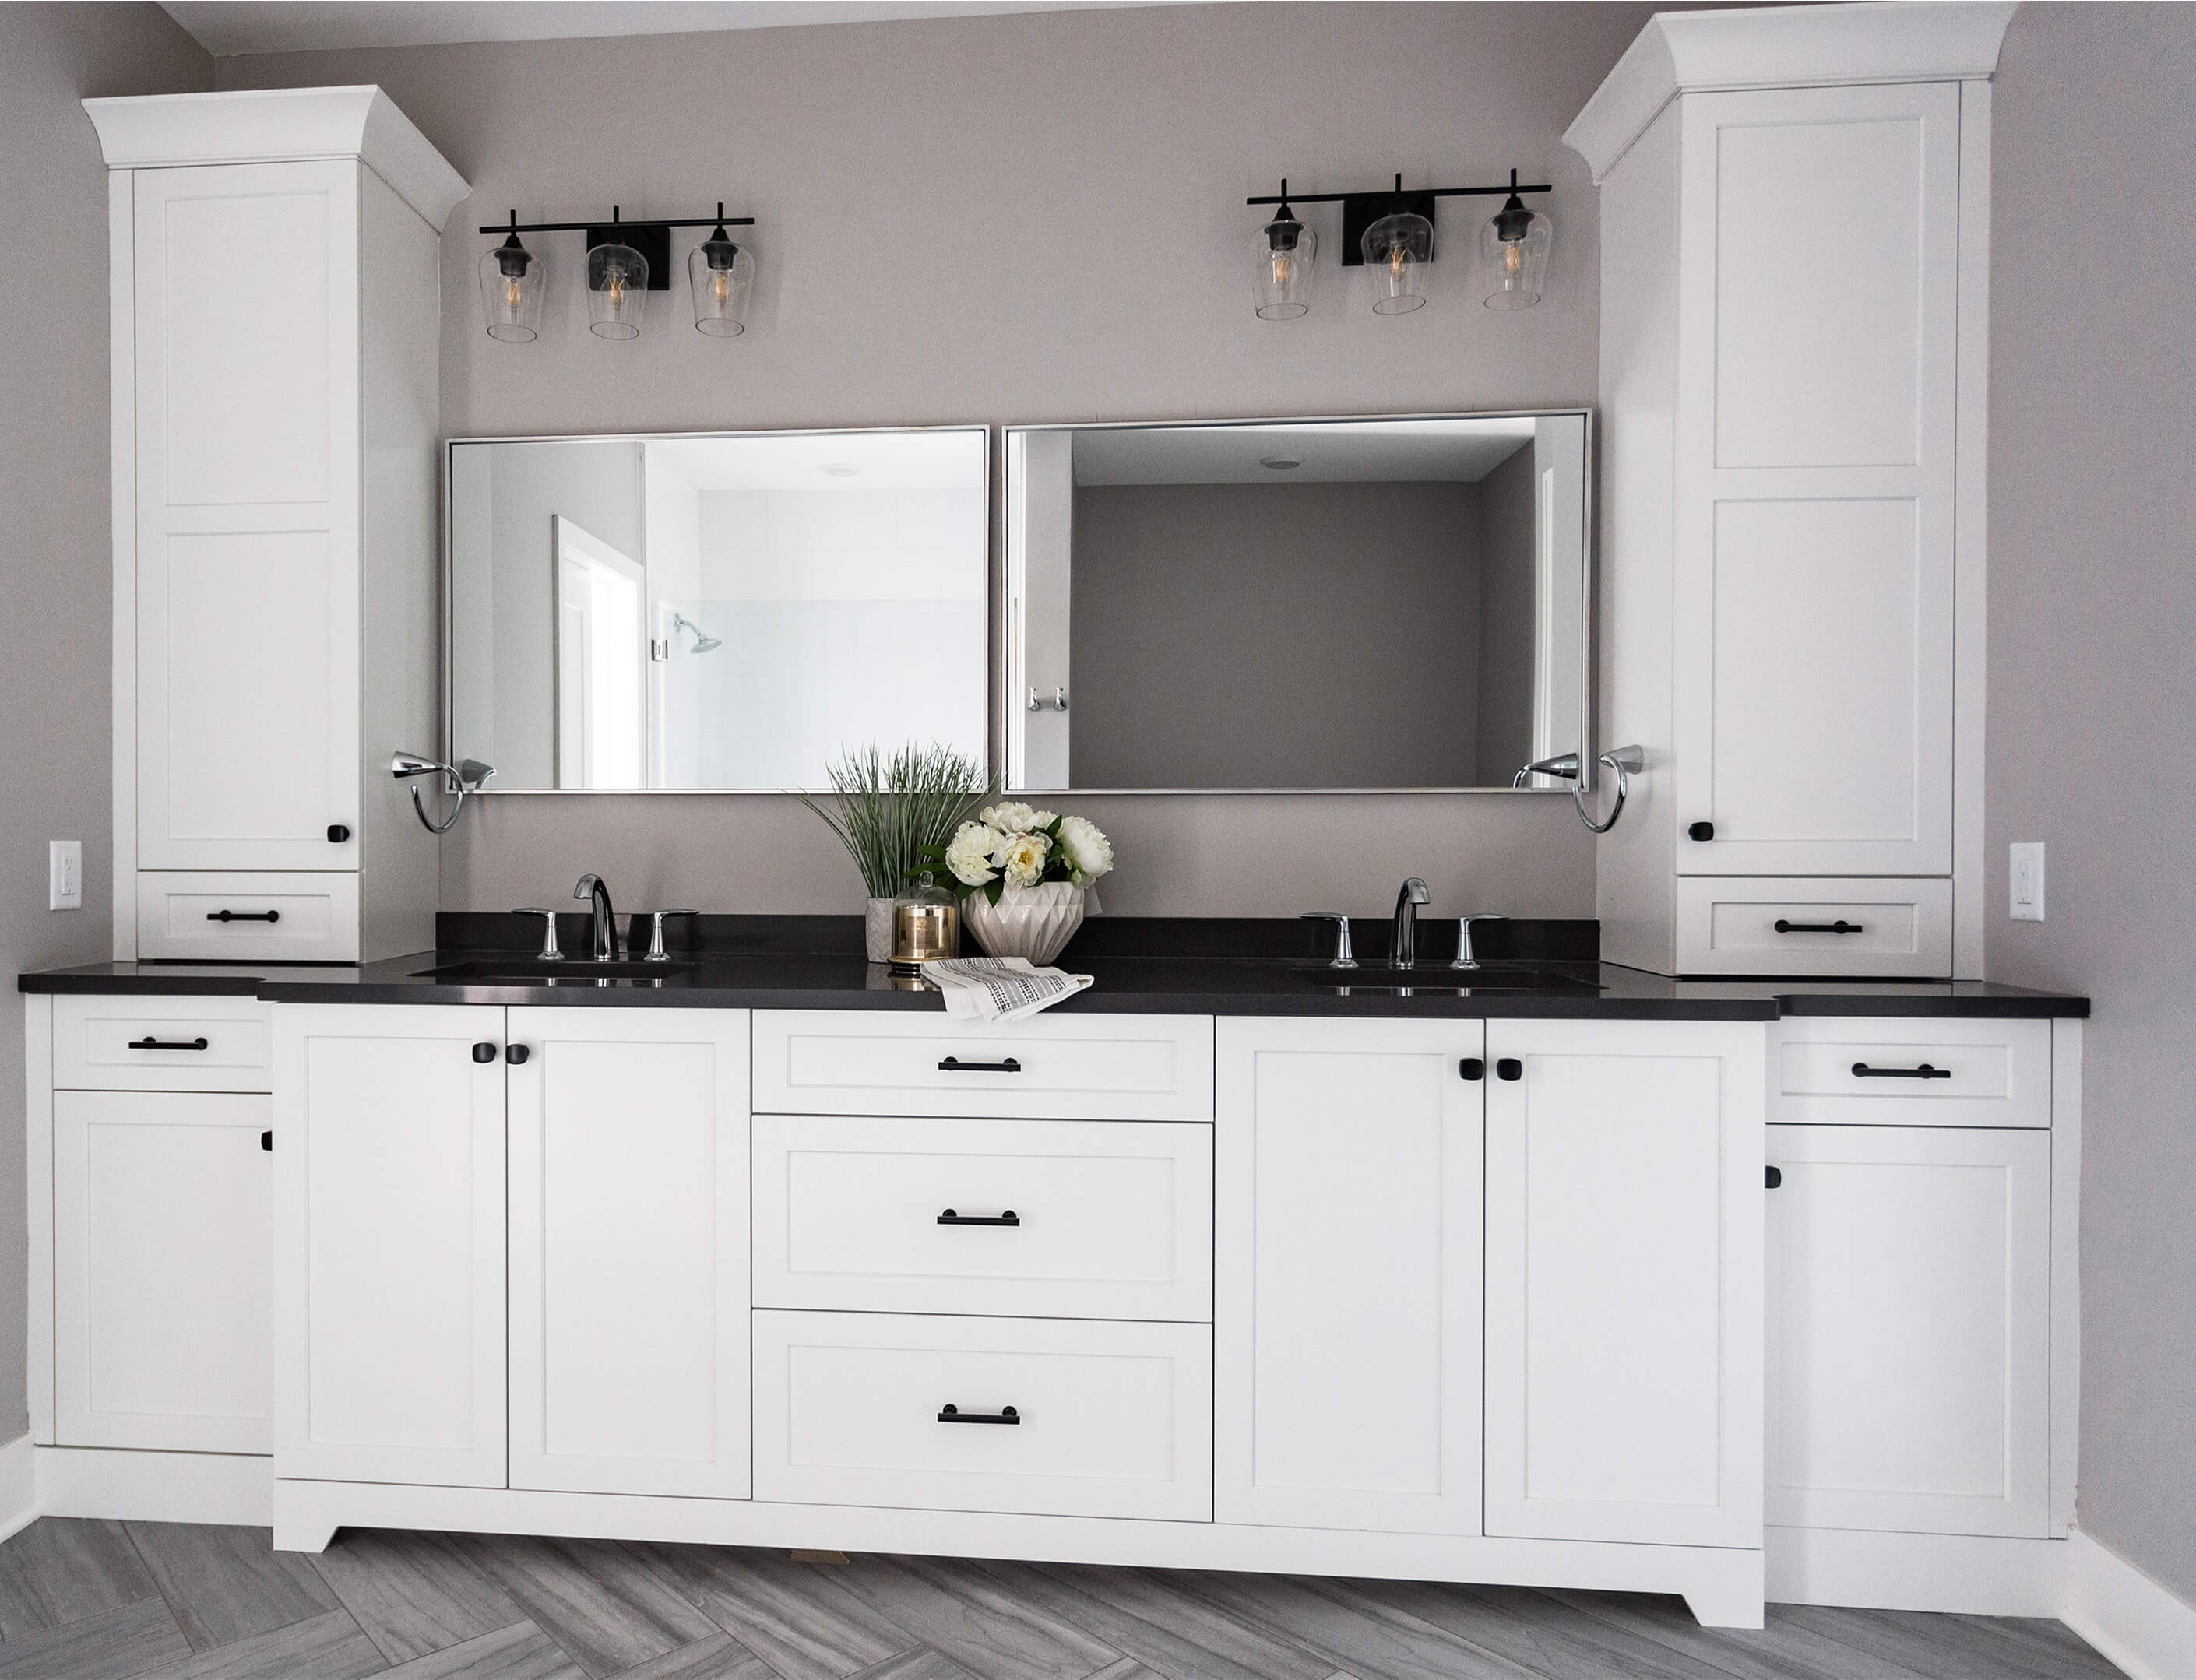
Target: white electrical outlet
[
  {"x": 65, "y": 874},
  {"x": 2027, "y": 878}
]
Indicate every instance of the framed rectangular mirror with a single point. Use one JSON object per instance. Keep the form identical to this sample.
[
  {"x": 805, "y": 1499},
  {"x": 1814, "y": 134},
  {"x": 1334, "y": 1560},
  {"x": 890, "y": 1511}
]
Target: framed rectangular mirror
[
  {"x": 725, "y": 612},
  {"x": 1333, "y": 605}
]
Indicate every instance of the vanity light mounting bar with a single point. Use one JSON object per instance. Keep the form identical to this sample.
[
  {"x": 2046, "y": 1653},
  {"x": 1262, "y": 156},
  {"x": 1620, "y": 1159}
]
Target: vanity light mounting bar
[
  {"x": 1360, "y": 210},
  {"x": 652, "y": 221}
]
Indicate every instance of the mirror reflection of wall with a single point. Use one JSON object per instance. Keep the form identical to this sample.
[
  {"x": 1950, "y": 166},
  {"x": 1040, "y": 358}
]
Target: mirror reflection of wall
[
  {"x": 1346, "y": 605},
  {"x": 714, "y": 612}
]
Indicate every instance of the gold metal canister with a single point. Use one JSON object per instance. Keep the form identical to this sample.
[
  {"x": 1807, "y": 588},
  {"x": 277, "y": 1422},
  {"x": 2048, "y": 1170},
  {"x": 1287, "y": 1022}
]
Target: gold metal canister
[{"x": 925, "y": 931}]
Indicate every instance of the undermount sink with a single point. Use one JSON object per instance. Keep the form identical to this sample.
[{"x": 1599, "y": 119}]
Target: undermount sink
[
  {"x": 1439, "y": 976},
  {"x": 528, "y": 971}
]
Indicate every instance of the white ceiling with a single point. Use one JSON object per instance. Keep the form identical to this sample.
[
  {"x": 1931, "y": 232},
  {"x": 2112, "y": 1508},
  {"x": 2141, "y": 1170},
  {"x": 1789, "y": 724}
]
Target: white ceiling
[
  {"x": 1343, "y": 452},
  {"x": 226, "y": 28},
  {"x": 949, "y": 460}
]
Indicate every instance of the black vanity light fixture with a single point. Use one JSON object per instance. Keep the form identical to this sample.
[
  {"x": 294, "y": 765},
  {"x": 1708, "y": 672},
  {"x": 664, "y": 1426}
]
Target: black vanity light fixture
[
  {"x": 625, "y": 262},
  {"x": 1392, "y": 232}
]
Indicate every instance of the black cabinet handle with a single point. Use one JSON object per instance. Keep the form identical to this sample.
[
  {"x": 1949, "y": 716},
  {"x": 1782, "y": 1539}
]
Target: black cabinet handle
[
  {"x": 1773, "y": 1178},
  {"x": 1509, "y": 1068},
  {"x": 1701, "y": 831},
  {"x": 949, "y": 1217},
  {"x": 483, "y": 1053},
  {"x": 152, "y": 1043},
  {"x": 1471, "y": 1068},
  {"x": 1863, "y": 1071},
  {"x": 338, "y": 834},
  {"x": 244, "y": 915},
  {"x": 954, "y": 1414},
  {"x": 1840, "y": 926},
  {"x": 516, "y": 1054},
  {"x": 267, "y": 1141},
  {"x": 955, "y": 1065}
]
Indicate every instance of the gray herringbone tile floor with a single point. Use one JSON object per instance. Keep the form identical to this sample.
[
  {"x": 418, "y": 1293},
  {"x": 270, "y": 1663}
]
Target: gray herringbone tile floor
[{"x": 115, "y": 1600}]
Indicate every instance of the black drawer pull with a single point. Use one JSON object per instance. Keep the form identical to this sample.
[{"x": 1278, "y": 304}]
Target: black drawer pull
[
  {"x": 1773, "y": 1178},
  {"x": 1509, "y": 1068},
  {"x": 267, "y": 1141},
  {"x": 150, "y": 1043},
  {"x": 338, "y": 834},
  {"x": 516, "y": 1054},
  {"x": 1863, "y": 1071},
  {"x": 1471, "y": 1068},
  {"x": 949, "y": 1217},
  {"x": 954, "y": 1414},
  {"x": 244, "y": 915},
  {"x": 1701, "y": 831},
  {"x": 1839, "y": 926},
  {"x": 955, "y": 1065},
  {"x": 483, "y": 1053}
]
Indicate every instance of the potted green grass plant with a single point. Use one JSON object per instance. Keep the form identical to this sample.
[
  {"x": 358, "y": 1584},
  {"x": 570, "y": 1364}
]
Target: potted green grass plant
[{"x": 893, "y": 814}]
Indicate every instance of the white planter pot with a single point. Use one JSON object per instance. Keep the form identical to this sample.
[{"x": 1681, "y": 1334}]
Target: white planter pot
[{"x": 1036, "y": 922}]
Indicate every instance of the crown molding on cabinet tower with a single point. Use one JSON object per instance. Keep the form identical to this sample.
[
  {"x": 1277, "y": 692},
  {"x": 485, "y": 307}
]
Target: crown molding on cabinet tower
[
  {"x": 281, "y": 126},
  {"x": 1783, "y": 47}
]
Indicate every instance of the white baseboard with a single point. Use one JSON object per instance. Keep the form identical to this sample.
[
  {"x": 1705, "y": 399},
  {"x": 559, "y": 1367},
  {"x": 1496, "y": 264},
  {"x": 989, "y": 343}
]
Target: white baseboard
[
  {"x": 131, "y": 1486},
  {"x": 1965, "y": 1574},
  {"x": 19, "y": 1486},
  {"x": 2133, "y": 1622}
]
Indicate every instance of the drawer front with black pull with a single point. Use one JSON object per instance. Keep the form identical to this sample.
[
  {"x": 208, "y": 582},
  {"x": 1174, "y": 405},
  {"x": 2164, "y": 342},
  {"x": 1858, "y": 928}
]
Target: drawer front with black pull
[
  {"x": 1056, "y": 1067},
  {"x": 976, "y": 1414},
  {"x": 1060, "y": 1219},
  {"x": 243, "y": 918},
  {"x": 1890, "y": 1072},
  {"x": 110, "y": 1043},
  {"x": 1886, "y": 929}
]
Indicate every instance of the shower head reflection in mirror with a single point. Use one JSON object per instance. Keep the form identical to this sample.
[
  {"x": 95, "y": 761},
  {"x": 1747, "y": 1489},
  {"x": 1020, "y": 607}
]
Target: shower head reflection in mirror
[{"x": 835, "y": 580}]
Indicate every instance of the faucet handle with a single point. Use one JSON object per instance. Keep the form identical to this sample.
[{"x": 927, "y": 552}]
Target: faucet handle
[
  {"x": 1465, "y": 959},
  {"x": 656, "y": 951},
  {"x": 549, "y": 951},
  {"x": 1343, "y": 958}
]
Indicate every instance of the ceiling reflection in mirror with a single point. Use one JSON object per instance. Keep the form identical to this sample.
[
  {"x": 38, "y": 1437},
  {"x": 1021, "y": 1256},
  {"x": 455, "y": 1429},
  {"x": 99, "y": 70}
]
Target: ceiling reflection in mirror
[
  {"x": 729, "y": 612},
  {"x": 1382, "y": 603}
]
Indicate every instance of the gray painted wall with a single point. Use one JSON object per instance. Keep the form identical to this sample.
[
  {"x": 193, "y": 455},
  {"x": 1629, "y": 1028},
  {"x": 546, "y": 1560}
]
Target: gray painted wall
[
  {"x": 1018, "y": 219},
  {"x": 56, "y": 686},
  {"x": 2093, "y": 691},
  {"x": 1276, "y": 635}
]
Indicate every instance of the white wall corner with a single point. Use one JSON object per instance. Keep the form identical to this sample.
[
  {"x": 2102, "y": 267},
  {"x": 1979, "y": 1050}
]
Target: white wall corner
[
  {"x": 2133, "y": 1622},
  {"x": 18, "y": 1489}
]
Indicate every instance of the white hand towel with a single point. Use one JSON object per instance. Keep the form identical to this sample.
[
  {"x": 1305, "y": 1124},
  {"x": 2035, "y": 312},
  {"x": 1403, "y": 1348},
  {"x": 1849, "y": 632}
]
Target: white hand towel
[{"x": 1000, "y": 987}]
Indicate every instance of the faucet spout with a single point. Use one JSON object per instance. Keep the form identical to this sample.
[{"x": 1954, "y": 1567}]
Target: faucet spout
[
  {"x": 606, "y": 940},
  {"x": 1403, "y": 945}
]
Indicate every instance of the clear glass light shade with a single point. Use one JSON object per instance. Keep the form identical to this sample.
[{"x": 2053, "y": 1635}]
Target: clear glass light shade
[
  {"x": 1513, "y": 256},
  {"x": 1287, "y": 252},
  {"x": 510, "y": 286},
  {"x": 1398, "y": 249},
  {"x": 722, "y": 275},
  {"x": 617, "y": 287}
]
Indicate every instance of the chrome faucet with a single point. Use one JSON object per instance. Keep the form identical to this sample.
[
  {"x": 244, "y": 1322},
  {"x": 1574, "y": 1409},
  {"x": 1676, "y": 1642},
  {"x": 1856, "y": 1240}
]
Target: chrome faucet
[
  {"x": 1403, "y": 947},
  {"x": 606, "y": 940}
]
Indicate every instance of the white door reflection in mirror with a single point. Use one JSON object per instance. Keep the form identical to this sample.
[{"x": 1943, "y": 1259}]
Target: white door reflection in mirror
[{"x": 728, "y": 611}]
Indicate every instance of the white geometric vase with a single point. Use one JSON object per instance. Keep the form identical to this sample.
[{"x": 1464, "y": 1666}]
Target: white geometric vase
[{"x": 1036, "y": 922}]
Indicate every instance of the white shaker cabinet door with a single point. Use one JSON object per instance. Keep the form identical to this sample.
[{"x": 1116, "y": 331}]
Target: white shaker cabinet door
[
  {"x": 1909, "y": 1328},
  {"x": 1624, "y": 1206},
  {"x": 1815, "y": 461},
  {"x": 389, "y": 1243},
  {"x": 629, "y": 1251},
  {"x": 247, "y": 405},
  {"x": 1346, "y": 1308},
  {"x": 162, "y": 1270}
]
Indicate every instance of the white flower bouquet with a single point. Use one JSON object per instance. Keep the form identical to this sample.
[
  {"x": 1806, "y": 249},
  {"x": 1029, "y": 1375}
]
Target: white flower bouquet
[{"x": 1024, "y": 877}]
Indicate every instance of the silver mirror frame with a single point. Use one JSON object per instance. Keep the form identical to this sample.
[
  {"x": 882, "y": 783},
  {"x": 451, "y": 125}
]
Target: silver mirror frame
[
  {"x": 1008, "y": 674},
  {"x": 447, "y": 640}
]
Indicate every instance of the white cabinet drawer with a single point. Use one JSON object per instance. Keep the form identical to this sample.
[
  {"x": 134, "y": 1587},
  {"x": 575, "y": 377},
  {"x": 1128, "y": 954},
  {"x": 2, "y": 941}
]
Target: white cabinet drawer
[
  {"x": 1091, "y": 1219},
  {"x": 1109, "y": 1419},
  {"x": 223, "y": 917},
  {"x": 1104, "y": 1067},
  {"x": 1891, "y": 929},
  {"x": 110, "y": 1043},
  {"x": 1833, "y": 1071}
]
